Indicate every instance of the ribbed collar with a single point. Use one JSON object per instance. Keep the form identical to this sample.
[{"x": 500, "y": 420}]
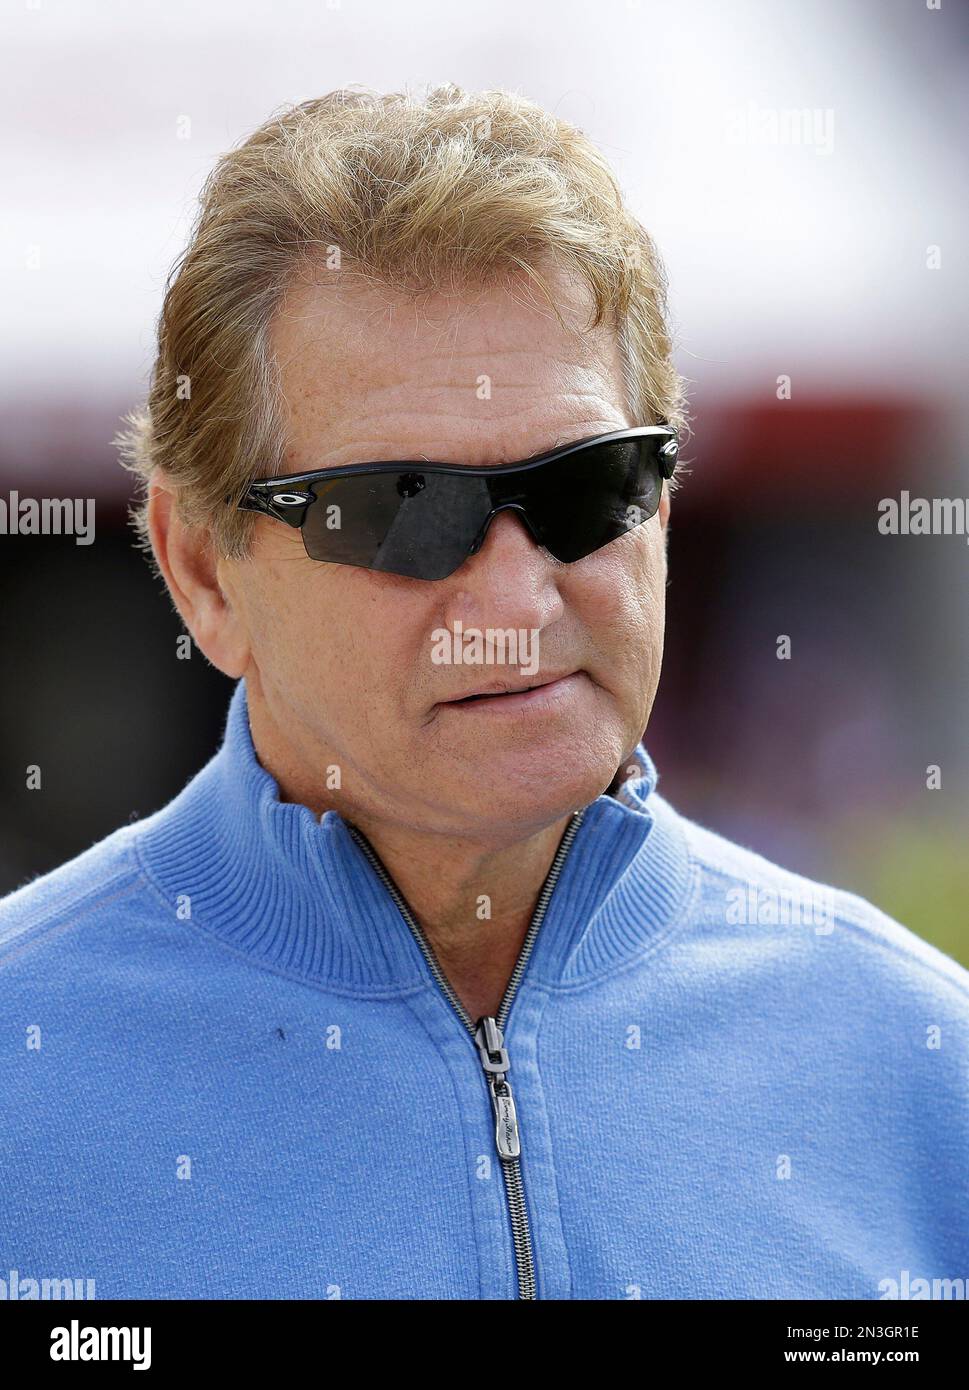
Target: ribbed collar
[{"x": 297, "y": 895}]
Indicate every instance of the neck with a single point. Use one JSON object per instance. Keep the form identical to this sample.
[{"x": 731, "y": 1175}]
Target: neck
[
  {"x": 474, "y": 905},
  {"x": 473, "y": 900}
]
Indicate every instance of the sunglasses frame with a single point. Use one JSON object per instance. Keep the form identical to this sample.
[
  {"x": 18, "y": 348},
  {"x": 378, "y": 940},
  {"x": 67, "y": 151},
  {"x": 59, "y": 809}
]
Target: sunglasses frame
[{"x": 287, "y": 499}]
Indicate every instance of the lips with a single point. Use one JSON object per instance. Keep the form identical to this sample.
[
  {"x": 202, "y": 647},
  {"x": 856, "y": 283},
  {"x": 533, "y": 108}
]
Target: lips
[
  {"x": 556, "y": 697},
  {"x": 490, "y": 694},
  {"x": 493, "y": 688}
]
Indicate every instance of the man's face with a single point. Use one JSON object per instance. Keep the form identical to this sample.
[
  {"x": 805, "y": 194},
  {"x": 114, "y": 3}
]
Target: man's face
[{"x": 341, "y": 657}]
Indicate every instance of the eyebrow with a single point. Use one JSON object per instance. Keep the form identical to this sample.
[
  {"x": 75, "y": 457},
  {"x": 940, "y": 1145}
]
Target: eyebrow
[{"x": 561, "y": 442}]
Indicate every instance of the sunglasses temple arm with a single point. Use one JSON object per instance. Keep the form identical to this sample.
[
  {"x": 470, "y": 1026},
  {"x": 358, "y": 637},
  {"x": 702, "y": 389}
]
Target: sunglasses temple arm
[
  {"x": 252, "y": 502},
  {"x": 668, "y": 456},
  {"x": 256, "y": 499}
]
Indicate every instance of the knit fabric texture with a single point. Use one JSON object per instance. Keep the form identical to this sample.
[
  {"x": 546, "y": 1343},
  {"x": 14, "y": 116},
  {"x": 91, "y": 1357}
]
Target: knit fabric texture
[{"x": 227, "y": 1071}]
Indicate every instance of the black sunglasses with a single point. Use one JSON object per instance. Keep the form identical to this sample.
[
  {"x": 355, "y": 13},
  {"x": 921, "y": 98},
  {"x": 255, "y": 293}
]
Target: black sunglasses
[{"x": 423, "y": 520}]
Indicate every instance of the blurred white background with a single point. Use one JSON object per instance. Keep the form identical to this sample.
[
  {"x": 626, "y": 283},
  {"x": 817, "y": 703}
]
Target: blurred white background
[{"x": 806, "y": 258}]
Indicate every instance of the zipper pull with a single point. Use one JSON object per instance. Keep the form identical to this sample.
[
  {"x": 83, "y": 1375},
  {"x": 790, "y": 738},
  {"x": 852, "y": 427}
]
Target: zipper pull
[{"x": 494, "y": 1059}]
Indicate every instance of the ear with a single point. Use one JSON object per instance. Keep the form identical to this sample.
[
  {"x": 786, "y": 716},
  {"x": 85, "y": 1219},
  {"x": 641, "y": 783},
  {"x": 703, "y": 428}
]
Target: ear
[
  {"x": 188, "y": 560},
  {"x": 665, "y": 502}
]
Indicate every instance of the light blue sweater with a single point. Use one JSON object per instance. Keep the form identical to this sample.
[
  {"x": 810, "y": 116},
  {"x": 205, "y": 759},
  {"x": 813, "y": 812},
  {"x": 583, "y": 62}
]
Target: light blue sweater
[{"x": 229, "y": 1070}]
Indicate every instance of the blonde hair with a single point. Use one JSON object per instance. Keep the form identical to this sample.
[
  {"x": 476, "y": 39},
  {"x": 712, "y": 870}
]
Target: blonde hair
[{"x": 451, "y": 188}]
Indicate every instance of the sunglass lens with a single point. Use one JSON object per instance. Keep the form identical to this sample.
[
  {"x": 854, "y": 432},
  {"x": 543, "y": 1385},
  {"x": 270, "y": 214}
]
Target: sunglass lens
[
  {"x": 423, "y": 525},
  {"x": 420, "y": 525},
  {"x": 583, "y": 501}
]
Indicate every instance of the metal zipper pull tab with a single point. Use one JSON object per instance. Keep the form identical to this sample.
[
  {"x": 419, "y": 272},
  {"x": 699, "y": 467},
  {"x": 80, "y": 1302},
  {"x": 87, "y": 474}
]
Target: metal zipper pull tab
[
  {"x": 494, "y": 1059},
  {"x": 506, "y": 1120}
]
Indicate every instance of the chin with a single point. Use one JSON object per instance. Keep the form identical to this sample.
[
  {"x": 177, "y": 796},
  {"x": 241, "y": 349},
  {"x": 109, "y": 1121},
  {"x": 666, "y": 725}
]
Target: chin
[{"x": 518, "y": 787}]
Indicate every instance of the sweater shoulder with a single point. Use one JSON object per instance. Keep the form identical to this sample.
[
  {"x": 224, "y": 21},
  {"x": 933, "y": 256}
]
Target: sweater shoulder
[
  {"x": 50, "y": 904},
  {"x": 741, "y": 887}
]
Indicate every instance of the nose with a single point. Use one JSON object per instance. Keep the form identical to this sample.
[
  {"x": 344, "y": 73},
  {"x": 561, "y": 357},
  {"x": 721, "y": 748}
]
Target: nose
[
  {"x": 507, "y": 582},
  {"x": 516, "y": 511}
]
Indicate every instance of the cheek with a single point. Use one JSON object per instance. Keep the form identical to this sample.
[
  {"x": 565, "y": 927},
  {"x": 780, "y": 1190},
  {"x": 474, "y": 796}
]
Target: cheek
[
  {"x": 351, "y": 642},
  {"x": 298, "y": 617},
  {"x": 620, "y": 590},
  {"x": 290, "y": 644}
]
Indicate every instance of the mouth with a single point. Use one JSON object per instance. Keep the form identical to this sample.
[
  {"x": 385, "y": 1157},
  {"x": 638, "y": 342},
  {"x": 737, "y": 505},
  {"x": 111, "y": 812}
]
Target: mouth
[
  {"x": 514, "y": 695},
  {"x": 497, "y": 694}
]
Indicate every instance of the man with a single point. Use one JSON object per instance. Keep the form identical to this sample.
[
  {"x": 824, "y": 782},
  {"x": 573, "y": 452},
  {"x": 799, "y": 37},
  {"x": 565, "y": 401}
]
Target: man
[{"x": 419, "y": 989}]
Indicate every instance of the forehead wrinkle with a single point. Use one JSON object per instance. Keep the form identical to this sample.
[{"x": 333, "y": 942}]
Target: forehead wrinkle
[
  {"x": 353, "y": 305},
  {"x": 328, "y": 396}
]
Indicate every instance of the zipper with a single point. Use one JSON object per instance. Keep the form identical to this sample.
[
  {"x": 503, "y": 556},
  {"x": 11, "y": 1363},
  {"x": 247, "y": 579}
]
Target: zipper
[{"x": 488, "y": 1037}]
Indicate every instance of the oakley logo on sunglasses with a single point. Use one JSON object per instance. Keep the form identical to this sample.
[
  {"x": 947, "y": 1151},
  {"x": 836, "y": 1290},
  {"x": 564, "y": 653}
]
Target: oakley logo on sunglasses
[
  {"x": 291, "y": 499},
  {"x": 423, "y": 520}
]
